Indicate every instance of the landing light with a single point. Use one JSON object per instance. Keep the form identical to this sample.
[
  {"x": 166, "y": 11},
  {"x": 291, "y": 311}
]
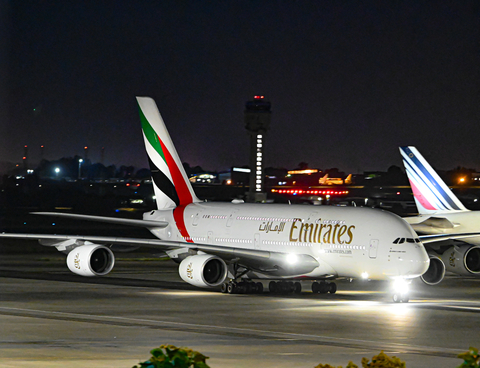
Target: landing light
[
  {"x": 292, "y": 258},
  {"x": 401, "y": 286},
  {"x": 364, "y": 275}
]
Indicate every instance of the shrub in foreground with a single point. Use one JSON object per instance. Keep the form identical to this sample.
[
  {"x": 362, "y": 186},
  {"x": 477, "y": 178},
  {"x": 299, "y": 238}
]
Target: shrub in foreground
[
  {"x": 381, "y": 360},
  {"x": 169, "y": 356},
  {"x": 471, "y": 359}
]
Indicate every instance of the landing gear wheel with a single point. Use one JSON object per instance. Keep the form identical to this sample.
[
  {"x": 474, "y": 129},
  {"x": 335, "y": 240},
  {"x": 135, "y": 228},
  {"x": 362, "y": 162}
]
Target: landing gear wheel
[
  {"x": 259, "y": 287},
  {"x": 333, "y": 288},
  {"x": 315, "y": 287},
  {"x": 272, "y": 287},
  {"x": 401, "y": 298},
  {"x": 298, "y": 288},
  {"x": 224, "y": 288},
  {"x": 231, "y": 288},
  {"x": 324, "y": 287}
]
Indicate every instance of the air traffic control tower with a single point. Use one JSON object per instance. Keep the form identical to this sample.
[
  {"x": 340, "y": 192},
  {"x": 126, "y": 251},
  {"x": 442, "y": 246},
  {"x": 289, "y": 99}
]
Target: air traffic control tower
[{"x": 257, "y": 122}]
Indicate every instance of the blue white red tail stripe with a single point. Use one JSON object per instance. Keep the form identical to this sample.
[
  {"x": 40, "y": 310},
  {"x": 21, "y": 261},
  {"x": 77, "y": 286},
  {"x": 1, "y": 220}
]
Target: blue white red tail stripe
[{"x": 430, "y": 192}]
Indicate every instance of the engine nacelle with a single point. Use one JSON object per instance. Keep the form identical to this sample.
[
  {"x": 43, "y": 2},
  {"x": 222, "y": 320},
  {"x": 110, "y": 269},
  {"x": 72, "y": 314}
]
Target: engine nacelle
[
  {"x": 436, "y": 270},
  {"x": 463, "y": 260},
  {"x": 91, "y": 260},
  {"x": 203, "y": 270}
]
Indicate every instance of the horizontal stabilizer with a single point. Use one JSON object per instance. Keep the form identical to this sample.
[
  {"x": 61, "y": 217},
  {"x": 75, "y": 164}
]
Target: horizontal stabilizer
[{"x": 438, "y": 222}]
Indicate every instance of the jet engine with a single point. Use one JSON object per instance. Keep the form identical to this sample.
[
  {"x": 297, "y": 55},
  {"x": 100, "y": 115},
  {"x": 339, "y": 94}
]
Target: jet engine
[
  {"x": 91, "y": 260},
  {"x": 436, "y": 270},
  {"x": 462, "y": 260},
  {"x": 459, "y": 259},
  {"x": 203, "y": 270}
]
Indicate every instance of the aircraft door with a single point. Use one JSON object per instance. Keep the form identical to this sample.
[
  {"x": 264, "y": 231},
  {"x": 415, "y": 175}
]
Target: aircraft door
[
  {"x": 372, "y": 251},
  {"x": 256, "y": 241},
  {"x": 196, "y": 218},
  {"x": 231, "y": 218},
  {"x": 210, "y": 237}
]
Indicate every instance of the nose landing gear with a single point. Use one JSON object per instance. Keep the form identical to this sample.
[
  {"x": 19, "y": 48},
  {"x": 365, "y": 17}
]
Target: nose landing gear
[
  {"x": 400, "y": 298},
  {"x": 401, "y": 288}
]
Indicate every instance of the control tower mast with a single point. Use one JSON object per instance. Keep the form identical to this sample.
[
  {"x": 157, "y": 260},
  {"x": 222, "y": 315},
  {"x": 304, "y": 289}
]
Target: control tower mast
[{"x": 257, "y": 122}]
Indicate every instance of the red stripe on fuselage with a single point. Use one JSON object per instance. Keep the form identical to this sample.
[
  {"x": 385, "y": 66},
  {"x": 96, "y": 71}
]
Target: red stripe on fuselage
[
  {"x": 180, "y": 222},
  {"x": 184, "y": 195}
]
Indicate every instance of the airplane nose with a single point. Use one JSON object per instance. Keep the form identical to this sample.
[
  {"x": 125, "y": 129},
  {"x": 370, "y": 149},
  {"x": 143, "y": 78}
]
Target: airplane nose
[{"x": 419, "y": 261}]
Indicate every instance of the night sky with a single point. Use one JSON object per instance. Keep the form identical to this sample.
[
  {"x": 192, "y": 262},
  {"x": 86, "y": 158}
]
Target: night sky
[{"x": 349, "y": 81}]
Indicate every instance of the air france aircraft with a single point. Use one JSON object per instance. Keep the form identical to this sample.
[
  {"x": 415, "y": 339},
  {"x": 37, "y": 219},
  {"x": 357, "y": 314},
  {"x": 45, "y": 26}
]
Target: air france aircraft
[
  {"x": 445, "y": 218},
  {"x": 229, "y": 245}
]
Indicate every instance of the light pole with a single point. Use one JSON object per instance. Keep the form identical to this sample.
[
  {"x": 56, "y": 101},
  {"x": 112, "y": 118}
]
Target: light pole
[{"x": 80, "y": 167}]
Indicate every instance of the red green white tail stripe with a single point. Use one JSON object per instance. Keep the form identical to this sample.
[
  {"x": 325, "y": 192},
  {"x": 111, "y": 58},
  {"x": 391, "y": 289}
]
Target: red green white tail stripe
[{"x": 171, "y": 185}]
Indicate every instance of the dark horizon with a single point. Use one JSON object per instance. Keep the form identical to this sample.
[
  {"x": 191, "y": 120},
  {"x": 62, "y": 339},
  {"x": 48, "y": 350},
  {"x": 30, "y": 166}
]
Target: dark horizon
[{"x": 349, "y": 82}]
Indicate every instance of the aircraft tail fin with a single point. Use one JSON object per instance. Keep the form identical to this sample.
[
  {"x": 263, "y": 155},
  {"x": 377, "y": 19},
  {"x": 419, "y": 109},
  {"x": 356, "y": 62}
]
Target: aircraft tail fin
[
  {"x": 323, "y": 179},
  {"x": 431, "y": 193},
  {"x": 170, "y": 182}
]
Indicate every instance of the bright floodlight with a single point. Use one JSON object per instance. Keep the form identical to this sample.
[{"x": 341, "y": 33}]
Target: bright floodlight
[
  {"x": 401, "y": 286},
  {"x": 57, "y": 170},
  {"x": 292, "y": 258}
]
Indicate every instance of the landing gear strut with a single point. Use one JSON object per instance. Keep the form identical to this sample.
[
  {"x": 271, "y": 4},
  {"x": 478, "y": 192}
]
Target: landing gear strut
[{"x": 243, "y": 286}]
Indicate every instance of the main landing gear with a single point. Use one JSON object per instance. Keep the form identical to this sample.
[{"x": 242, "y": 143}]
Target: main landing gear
[
  {"x": 276, "y": 287},
  {"x": 242, "y": 287},
  {"x": 324, "y": 287},
  {"x": 284, "y": 287}
]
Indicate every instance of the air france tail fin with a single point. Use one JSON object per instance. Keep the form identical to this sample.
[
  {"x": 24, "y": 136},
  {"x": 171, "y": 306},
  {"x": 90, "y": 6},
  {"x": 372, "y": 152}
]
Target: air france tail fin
[
  {"x": 170, "y": 183},
  {"x": 430, "y": 192}
]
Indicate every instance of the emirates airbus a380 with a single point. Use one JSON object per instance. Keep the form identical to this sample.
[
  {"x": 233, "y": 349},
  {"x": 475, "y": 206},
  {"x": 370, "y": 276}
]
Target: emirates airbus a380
[{"x": 238, "y": 245}]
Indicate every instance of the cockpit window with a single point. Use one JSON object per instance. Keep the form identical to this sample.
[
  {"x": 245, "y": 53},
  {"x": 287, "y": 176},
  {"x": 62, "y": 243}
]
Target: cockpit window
[{"x": 408, "y": 240}]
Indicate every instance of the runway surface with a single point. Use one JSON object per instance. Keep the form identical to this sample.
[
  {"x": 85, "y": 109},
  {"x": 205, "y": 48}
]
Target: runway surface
[{"x": 50, "y": 317}]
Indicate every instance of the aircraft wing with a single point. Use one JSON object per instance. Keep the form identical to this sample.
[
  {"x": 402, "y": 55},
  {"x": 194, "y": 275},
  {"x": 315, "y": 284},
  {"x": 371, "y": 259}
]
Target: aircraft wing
[
  {"x": 263, "y": 261},
  {"x": 112, "y": 220},
  {"x": 426, "y": 239}
]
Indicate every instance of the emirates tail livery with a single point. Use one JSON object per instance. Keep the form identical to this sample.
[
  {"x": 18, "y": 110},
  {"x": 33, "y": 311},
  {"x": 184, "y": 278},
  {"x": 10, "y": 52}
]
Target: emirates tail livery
[
  {"x": 238, "y": 245},
  {"x": 453, "y": 243}
]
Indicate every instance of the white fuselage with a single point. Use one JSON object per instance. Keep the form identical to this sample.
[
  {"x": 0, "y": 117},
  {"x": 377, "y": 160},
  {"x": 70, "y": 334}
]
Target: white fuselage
[{"x": 346, "y": 241}]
